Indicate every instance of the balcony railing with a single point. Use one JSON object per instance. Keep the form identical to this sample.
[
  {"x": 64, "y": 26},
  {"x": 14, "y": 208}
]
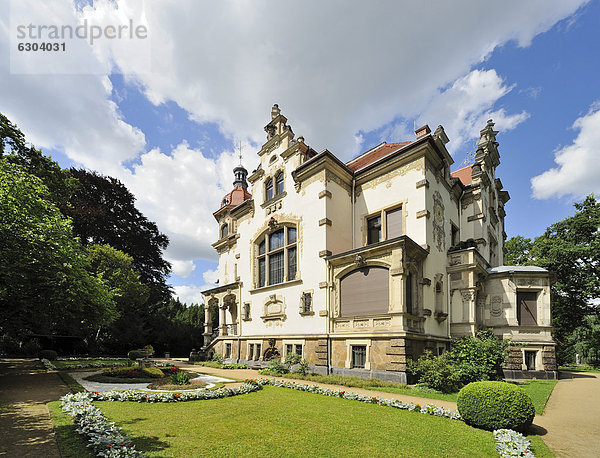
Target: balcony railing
[{"x": 231, "y": 330}]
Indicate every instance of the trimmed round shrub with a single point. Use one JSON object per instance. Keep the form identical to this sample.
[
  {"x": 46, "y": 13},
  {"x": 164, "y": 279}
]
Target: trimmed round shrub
[
  {"x": 137, "y": 354},
  {"x": 48, "y": 354},
  {"x": 153, "y": 372},
  {"x": 495, "y": 405}
]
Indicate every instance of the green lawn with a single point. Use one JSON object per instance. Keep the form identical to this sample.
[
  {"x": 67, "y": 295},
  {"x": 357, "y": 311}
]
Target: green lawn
[
  {"x": 583, "y": 368},
  {"x": 539, "y": 391},
  {"x": 71, "y": 444},
  {"x": 282, "y": 422}
]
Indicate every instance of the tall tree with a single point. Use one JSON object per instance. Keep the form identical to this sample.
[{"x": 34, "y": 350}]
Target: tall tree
[
  {"x": 45, "y": 287},
  {"x": 130, "y": 295},
  {"x": 103, "y": 212}
]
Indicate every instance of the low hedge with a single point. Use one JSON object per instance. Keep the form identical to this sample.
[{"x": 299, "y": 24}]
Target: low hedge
[
  {"x": 495, "y": 405},
  {"x": 48, "y": 354},
  {"x": 153, "y": 372}
]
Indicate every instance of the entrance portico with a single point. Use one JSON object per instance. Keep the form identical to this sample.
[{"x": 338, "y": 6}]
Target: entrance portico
[{"x": 221, "y": 312}]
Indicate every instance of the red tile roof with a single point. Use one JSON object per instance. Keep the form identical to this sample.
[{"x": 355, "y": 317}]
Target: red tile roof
[
  {"x": 464, "y": 174},
  {"x": 236, "y": 197},
  {"x": 374, "y": 154}
]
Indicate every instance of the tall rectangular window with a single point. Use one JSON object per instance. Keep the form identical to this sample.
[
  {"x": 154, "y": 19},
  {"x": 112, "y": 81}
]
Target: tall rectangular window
[
  {"x": 374, "y": 229},
  {"x": 258, "y": 350},
  {"x": 393, "y": 223},
  {"x": 359, "y": 355},
  {"x": 251, "y": 352},
  {"x": 228, "y": 350},
  {"x": 289, "y": 348},
  {"x": 527, "y": 308},
  {"x": 277, "y": 257},
  {"x": 409, "y": 293},
  {"x": 298, "y": 348}
]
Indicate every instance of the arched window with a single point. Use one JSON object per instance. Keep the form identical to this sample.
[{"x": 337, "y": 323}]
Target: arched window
[
  {"x": 224, "y": 230},
  {"x": 279, "y": 183},
  {"x": 365, "y": 291},
  {"x": 269, "y": 189},
  {"x": 277, "y": 257}
]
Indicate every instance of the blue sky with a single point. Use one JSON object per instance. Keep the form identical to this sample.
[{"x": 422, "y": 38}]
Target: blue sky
[{"x": 347, "y": 75}]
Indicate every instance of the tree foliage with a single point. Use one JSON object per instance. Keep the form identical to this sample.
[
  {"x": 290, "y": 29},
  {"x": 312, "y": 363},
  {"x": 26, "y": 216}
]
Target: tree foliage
[
  {"x": 45, "y": 286},
  {"x": 103, "y": 212},
  {"x": 15, "y": 150}
]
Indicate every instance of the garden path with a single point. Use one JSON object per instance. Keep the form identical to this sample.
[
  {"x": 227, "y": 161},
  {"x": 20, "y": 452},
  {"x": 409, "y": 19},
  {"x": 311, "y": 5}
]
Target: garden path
[
  {"x": 25, "y": 425},
  {"x": 572, "y": 417}
]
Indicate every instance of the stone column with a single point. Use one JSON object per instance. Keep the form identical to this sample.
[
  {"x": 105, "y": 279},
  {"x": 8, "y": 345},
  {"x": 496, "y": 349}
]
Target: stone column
[
  {"x": 222, "y": 320},
  {"x": 207, "y": 324}
]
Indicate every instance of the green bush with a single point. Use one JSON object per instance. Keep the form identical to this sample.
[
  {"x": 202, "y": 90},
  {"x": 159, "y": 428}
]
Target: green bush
[
  {"x": 480, "y": 358},
  {"x": 180, "y": 378},
  {"x": 48, "y": 354},
  {"x": 153, "y": 372},
  {"x": 437, "y": 372},
  {"x": 217, "y": 358},
  {"x": 292, "y": 358},
  {"x": 302, "y": 368},
  {"x": 276, "y": 367},
  {"x": 495, "y": 405},
  {"x": 136, "y": 354}
]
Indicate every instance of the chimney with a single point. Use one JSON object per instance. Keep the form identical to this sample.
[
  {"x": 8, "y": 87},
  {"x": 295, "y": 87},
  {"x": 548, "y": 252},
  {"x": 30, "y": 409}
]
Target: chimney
[{"x": 424, "y": 130}]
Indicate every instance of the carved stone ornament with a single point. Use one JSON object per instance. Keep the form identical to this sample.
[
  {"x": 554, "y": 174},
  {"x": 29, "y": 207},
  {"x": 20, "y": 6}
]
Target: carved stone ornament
[
  {"x": 439, "y": 233},
  {"x": 359, "y": 260},
  {"x": 496, "y": 306},
  {"x": 467, "y": 296}
]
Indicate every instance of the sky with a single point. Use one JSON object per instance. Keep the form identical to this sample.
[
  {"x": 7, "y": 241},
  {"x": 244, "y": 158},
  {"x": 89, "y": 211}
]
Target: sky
[{"x": 163, "y": 110}]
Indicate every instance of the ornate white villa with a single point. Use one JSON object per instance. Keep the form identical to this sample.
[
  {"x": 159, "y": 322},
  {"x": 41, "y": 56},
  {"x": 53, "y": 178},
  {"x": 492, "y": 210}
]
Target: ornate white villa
[{"x": 362, "y": 265}]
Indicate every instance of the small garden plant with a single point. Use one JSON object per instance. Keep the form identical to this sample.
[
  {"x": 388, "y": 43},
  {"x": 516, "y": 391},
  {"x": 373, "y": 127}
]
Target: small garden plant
[{"x": 180, "y": 378}]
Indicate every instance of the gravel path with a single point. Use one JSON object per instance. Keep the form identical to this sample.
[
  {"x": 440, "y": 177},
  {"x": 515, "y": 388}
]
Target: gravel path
[
  {"x": 97, "y": 386},
  {"x": 572, "y": 416},
  {"x": 25, "y": 425}
]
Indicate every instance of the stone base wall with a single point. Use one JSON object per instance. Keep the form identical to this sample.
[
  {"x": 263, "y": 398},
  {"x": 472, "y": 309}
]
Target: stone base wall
[
  {"x": 386, "y": 357},
  {"x": 545, "y": 361}
]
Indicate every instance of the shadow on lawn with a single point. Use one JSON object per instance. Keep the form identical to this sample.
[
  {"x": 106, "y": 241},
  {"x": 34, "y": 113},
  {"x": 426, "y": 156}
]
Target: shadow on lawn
[{"x": 149, "y": 444}]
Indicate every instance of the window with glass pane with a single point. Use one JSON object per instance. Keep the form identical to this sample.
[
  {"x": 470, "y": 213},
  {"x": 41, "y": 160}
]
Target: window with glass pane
[
  {"x": 268, "y": 189},
  {"x": 359, "y": 355},
  {"x": 374, "y": 229},
  {"x": 291, "y": 235},
  {"x": 276, "y": 240},
  {"x": 276, "y": 269},
  {"x": 306, "y": 302},
  {"x": 292, "y": 263},
  {"x": 228, "y": 350},
  {"x": 258, "y": 349},
  {"x": 262, "y": 278},
  {"x": 224, "y": 230},
  {"x": 277, "y": 257},
  {"x": 251, "y": 352},
  {"x": 288, "y": 349},
  {"x": 299, "y": 349},
  {"x": 279, "y": 183}
]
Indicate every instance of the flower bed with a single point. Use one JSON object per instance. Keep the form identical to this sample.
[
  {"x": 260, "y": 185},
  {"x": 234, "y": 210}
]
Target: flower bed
[
  {"x": 103, "y": 436},
  {"x": 511, "y": 443}
]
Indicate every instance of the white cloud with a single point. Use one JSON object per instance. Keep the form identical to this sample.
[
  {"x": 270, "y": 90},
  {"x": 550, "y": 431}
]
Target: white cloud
[
  {"x": 182, "y": 268},
  {"x": 210, "y": 276},
  {"x": 335, "y": 68},
  {"x": 578, "y": 169},
  {"x": 464, "y": 108},
  {"x": 189, "y": 294}
]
